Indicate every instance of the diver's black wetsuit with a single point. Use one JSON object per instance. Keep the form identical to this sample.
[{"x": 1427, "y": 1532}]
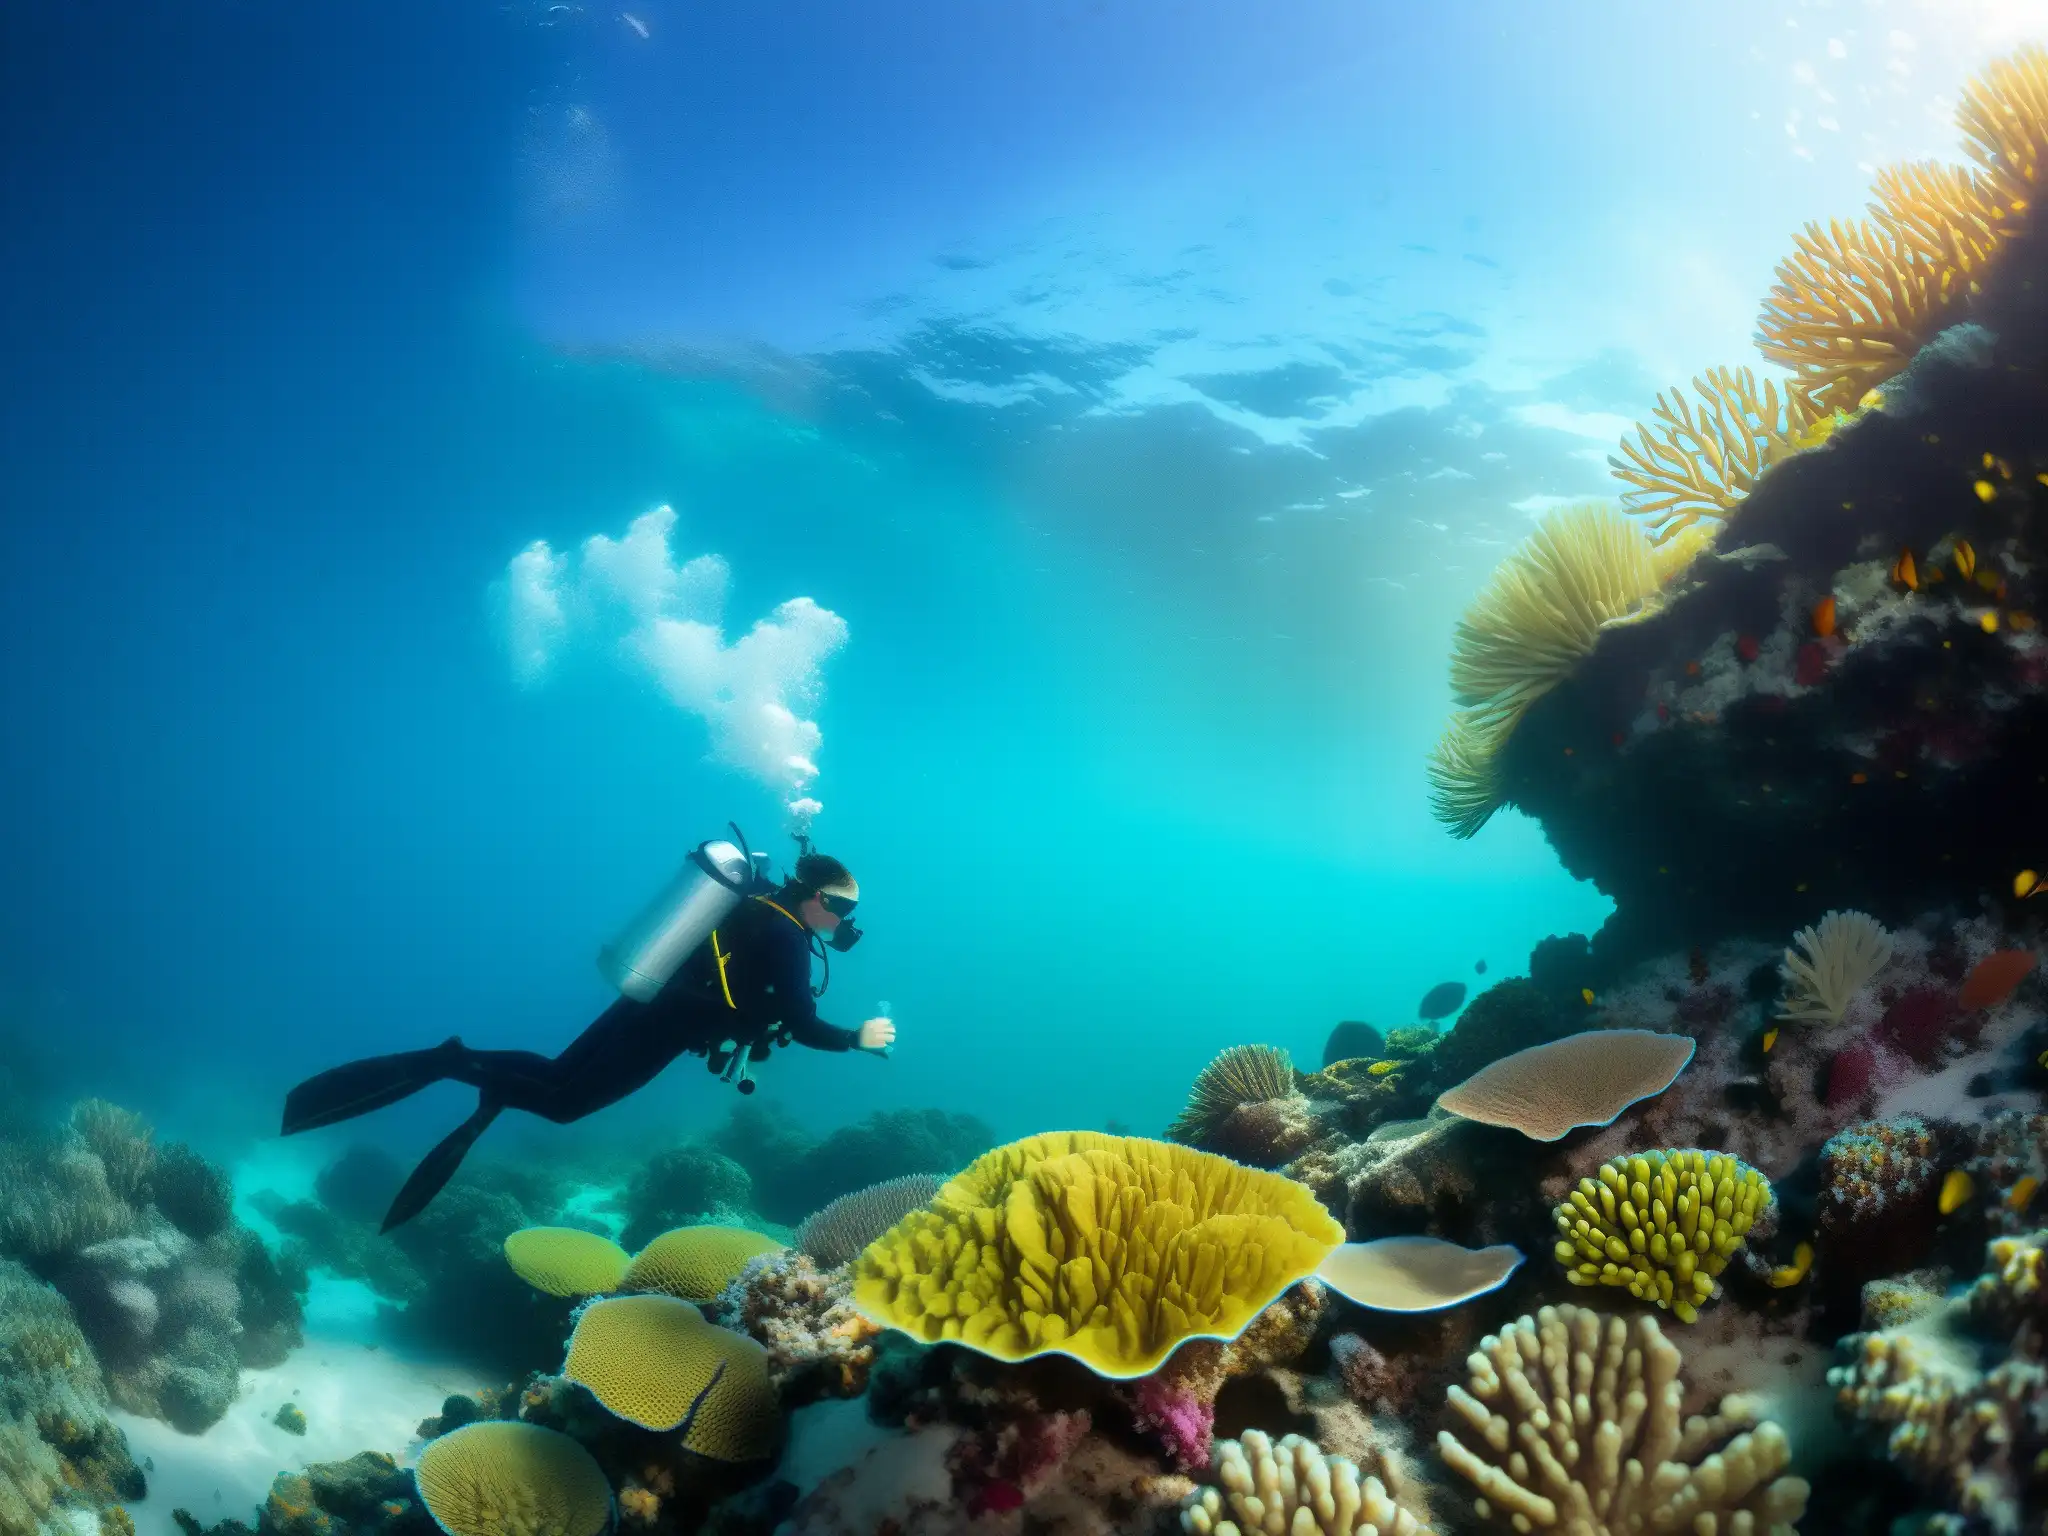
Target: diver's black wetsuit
[{"x": 741, "y": 993}]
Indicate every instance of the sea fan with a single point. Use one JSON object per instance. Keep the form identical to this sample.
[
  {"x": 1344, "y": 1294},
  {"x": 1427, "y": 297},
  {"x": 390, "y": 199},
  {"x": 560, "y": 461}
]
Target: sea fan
[
  {"x": 1840, "y": 956},
  {"x": 1244, "y": 1074},
  {"x": 1690, "y": 462}
]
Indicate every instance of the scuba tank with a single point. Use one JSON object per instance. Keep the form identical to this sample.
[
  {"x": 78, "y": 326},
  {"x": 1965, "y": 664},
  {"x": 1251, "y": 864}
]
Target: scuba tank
[{"x": 713, "y": 880}]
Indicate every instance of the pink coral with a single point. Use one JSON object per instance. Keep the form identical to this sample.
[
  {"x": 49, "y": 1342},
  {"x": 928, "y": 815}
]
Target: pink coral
[
  {"x": 1182, "y": 1422},
  {"x": 1851, "y": 1074},
  {"x": 1920, "y": 1022}
]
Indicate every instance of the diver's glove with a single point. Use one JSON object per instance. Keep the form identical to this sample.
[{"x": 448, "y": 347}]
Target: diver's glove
[{"x": 877, "y": 1035}]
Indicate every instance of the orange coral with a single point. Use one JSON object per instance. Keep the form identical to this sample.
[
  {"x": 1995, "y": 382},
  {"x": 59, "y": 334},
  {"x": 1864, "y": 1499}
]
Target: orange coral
[
  {"x": 1690, "y": 462},
  {"x": 2005, "y": 117}
]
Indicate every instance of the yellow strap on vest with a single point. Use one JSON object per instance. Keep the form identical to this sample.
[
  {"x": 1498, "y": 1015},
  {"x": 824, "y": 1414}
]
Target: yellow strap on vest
[{"x": 722, "y": 955}]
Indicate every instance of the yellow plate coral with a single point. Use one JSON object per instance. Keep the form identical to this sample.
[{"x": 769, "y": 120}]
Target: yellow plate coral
[
  {"x": 1111, "y": 1249},
  {"x": 564, "y": 1261},
  {"x": 695, "y": 1263},
  {"x": 654, "y": 1361},
  {"x": 511, "y": 1479}
]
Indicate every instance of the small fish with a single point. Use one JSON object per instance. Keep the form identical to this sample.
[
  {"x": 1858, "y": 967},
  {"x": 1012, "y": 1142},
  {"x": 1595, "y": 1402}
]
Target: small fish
[
  {"x": 1824, "y": 616},
  {"x": 1479, "y": 969},
  {"x": 1985, "y": 490},
  {"x": 1587, "y": 994},
  {"x": 1692, "y": 669},
  {"x": 2020, "y": 621},
  {"x": 1956, "y": 1191},
  {"x": 1996, "y": 977},
  {"x": 636, "y": 24},
  {"x": 2021, "y": 1195},
  {"x": 1906, "y": 572},
  {"x": 1988, "y": 622},
  {"x": 2041, "y": 1061},
  {"x": 1797, "y": 1270},
  {"x": 1859, "y": 778},
  {"x": 1966, "y": 559},
  {"x": 1770, "y": 1039},
  {"x": 2026, "y": 883},
  {"x": 1382, "y": 1068}
]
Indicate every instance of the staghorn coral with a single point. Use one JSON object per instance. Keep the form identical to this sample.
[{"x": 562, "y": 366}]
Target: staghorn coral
[
  {"x": 1111, "y": 1249},
  {"x": 1239, "y": 1076},
  {"x": 818, "y": 1344},
  {"x": 566, "y": 1261},
  {"x": 1661, "y": 1225},
  {"x": 695, "y": 1263},
  {"x": 1693, "y": 462},
  {"x": 1573, "y": 1419},
  {"x": 1292, "y": 1487},
  {"x": 1540, "y": 613},
  {"x": 836, "y": 1235},
  {"x": 654, "y": 1361},
  {"x": 1589, "y": 1078},
  {"x": 1839, "y": 959},
  {"x": 512, "y": 1479}
]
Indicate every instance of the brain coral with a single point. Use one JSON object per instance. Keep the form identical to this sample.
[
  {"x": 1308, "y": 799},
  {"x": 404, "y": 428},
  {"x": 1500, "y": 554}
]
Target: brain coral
[
  {"x": 655, "y": 1362},
  {"x": 1660, "y": 1224},
  {"x": 1294, "y": 1488},
  {"x": 1573, "y": 1423},
  {"x": 564, "y": 1261},
  {"x": 695, "y": 1263},
  {"x": 513, "y": 1479},
  {"x": 1584, "y": 1079},
  {"x": 1111, "y": 1249}
]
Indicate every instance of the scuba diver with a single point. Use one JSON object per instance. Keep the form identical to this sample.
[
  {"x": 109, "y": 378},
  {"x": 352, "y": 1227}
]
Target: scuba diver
[{"x": 731, "y": 995}]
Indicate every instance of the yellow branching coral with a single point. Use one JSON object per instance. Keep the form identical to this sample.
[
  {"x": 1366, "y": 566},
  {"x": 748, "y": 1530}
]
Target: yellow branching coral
[
  {"x": 1574, "y": 1422},
  {"x": 2005, "y": 118},
  {"x": 513, "y": 1479},
  {"x": 1541, "y": 612},
  {"x": 1661, "y": 1225},
  {"x": 1693, "y": 461},
  {"x": 1946, "y": 214},
  {"x": 1112, "y": 1249},
  {"x": 1243, "y": 1074}
]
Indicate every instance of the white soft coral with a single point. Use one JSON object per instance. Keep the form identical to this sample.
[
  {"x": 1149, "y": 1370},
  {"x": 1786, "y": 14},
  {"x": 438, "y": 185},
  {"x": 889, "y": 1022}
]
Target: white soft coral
[{"x": 1841, "y": 955}]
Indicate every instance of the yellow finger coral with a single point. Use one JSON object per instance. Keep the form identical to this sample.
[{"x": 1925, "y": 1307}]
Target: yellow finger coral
[
  {"x": 505, "y": 1478},
  {"x": 1661, "y": 1225},
  {"x": 1111, "y": 1249},
  {"x": 695, "y": 1263},
  {"x": 564, "y": 1261},
  {"x": 1292, "y": 1486},
  {"x": 654, "y": 1361}
]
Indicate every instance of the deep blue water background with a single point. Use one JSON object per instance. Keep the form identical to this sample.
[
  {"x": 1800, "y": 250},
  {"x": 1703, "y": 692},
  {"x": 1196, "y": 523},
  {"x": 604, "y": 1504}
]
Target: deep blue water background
[{"x": 315, "y": 315}]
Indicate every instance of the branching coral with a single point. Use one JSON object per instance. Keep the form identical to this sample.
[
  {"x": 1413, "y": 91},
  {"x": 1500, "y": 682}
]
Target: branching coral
[
  {"x": 2004, "y": 115},
  {"x": 818, "y": 1344},
  {"x": 1839, "y": 958},
  {"x": 1572, "y": 1421},
  {"x": 1542, "y": 610},
  {"x": 1241, "y": 1075},
  {"x": 1661, "y": 1225},
  {"x": 1292, "y": 1487},
  {"x": 1690, "y": 462}
]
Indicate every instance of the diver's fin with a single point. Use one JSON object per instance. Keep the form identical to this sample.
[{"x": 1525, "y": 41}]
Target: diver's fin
[
  {"x": 342, "y": 1093},
  {"x": 439, "y": 1166}
]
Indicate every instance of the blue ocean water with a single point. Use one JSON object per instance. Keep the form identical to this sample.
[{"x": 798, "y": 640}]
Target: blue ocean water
[{"x": 1145, "y": 385}]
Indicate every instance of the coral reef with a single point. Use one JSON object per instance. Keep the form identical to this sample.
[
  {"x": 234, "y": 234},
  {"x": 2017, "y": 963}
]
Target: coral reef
[
  {"x": 173, "y": 1296},
  {"x": 1661, "y": 1225},
  {"x": 59, "y": 1450},
  {"x": 566, "y": 1261},
  {"x": 366, "y": 1495},
  {"x": 682, "y": 1187},
  {"x": 792, "y": 1176},
  {"x": 818, "y": 1344},
  {"x": 1573, "y": 1416},
  {"x": 1243, "y": 1104},
  {"x": 1178, "y": 1244},
  {"x": 1957, "y": 1391}
]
